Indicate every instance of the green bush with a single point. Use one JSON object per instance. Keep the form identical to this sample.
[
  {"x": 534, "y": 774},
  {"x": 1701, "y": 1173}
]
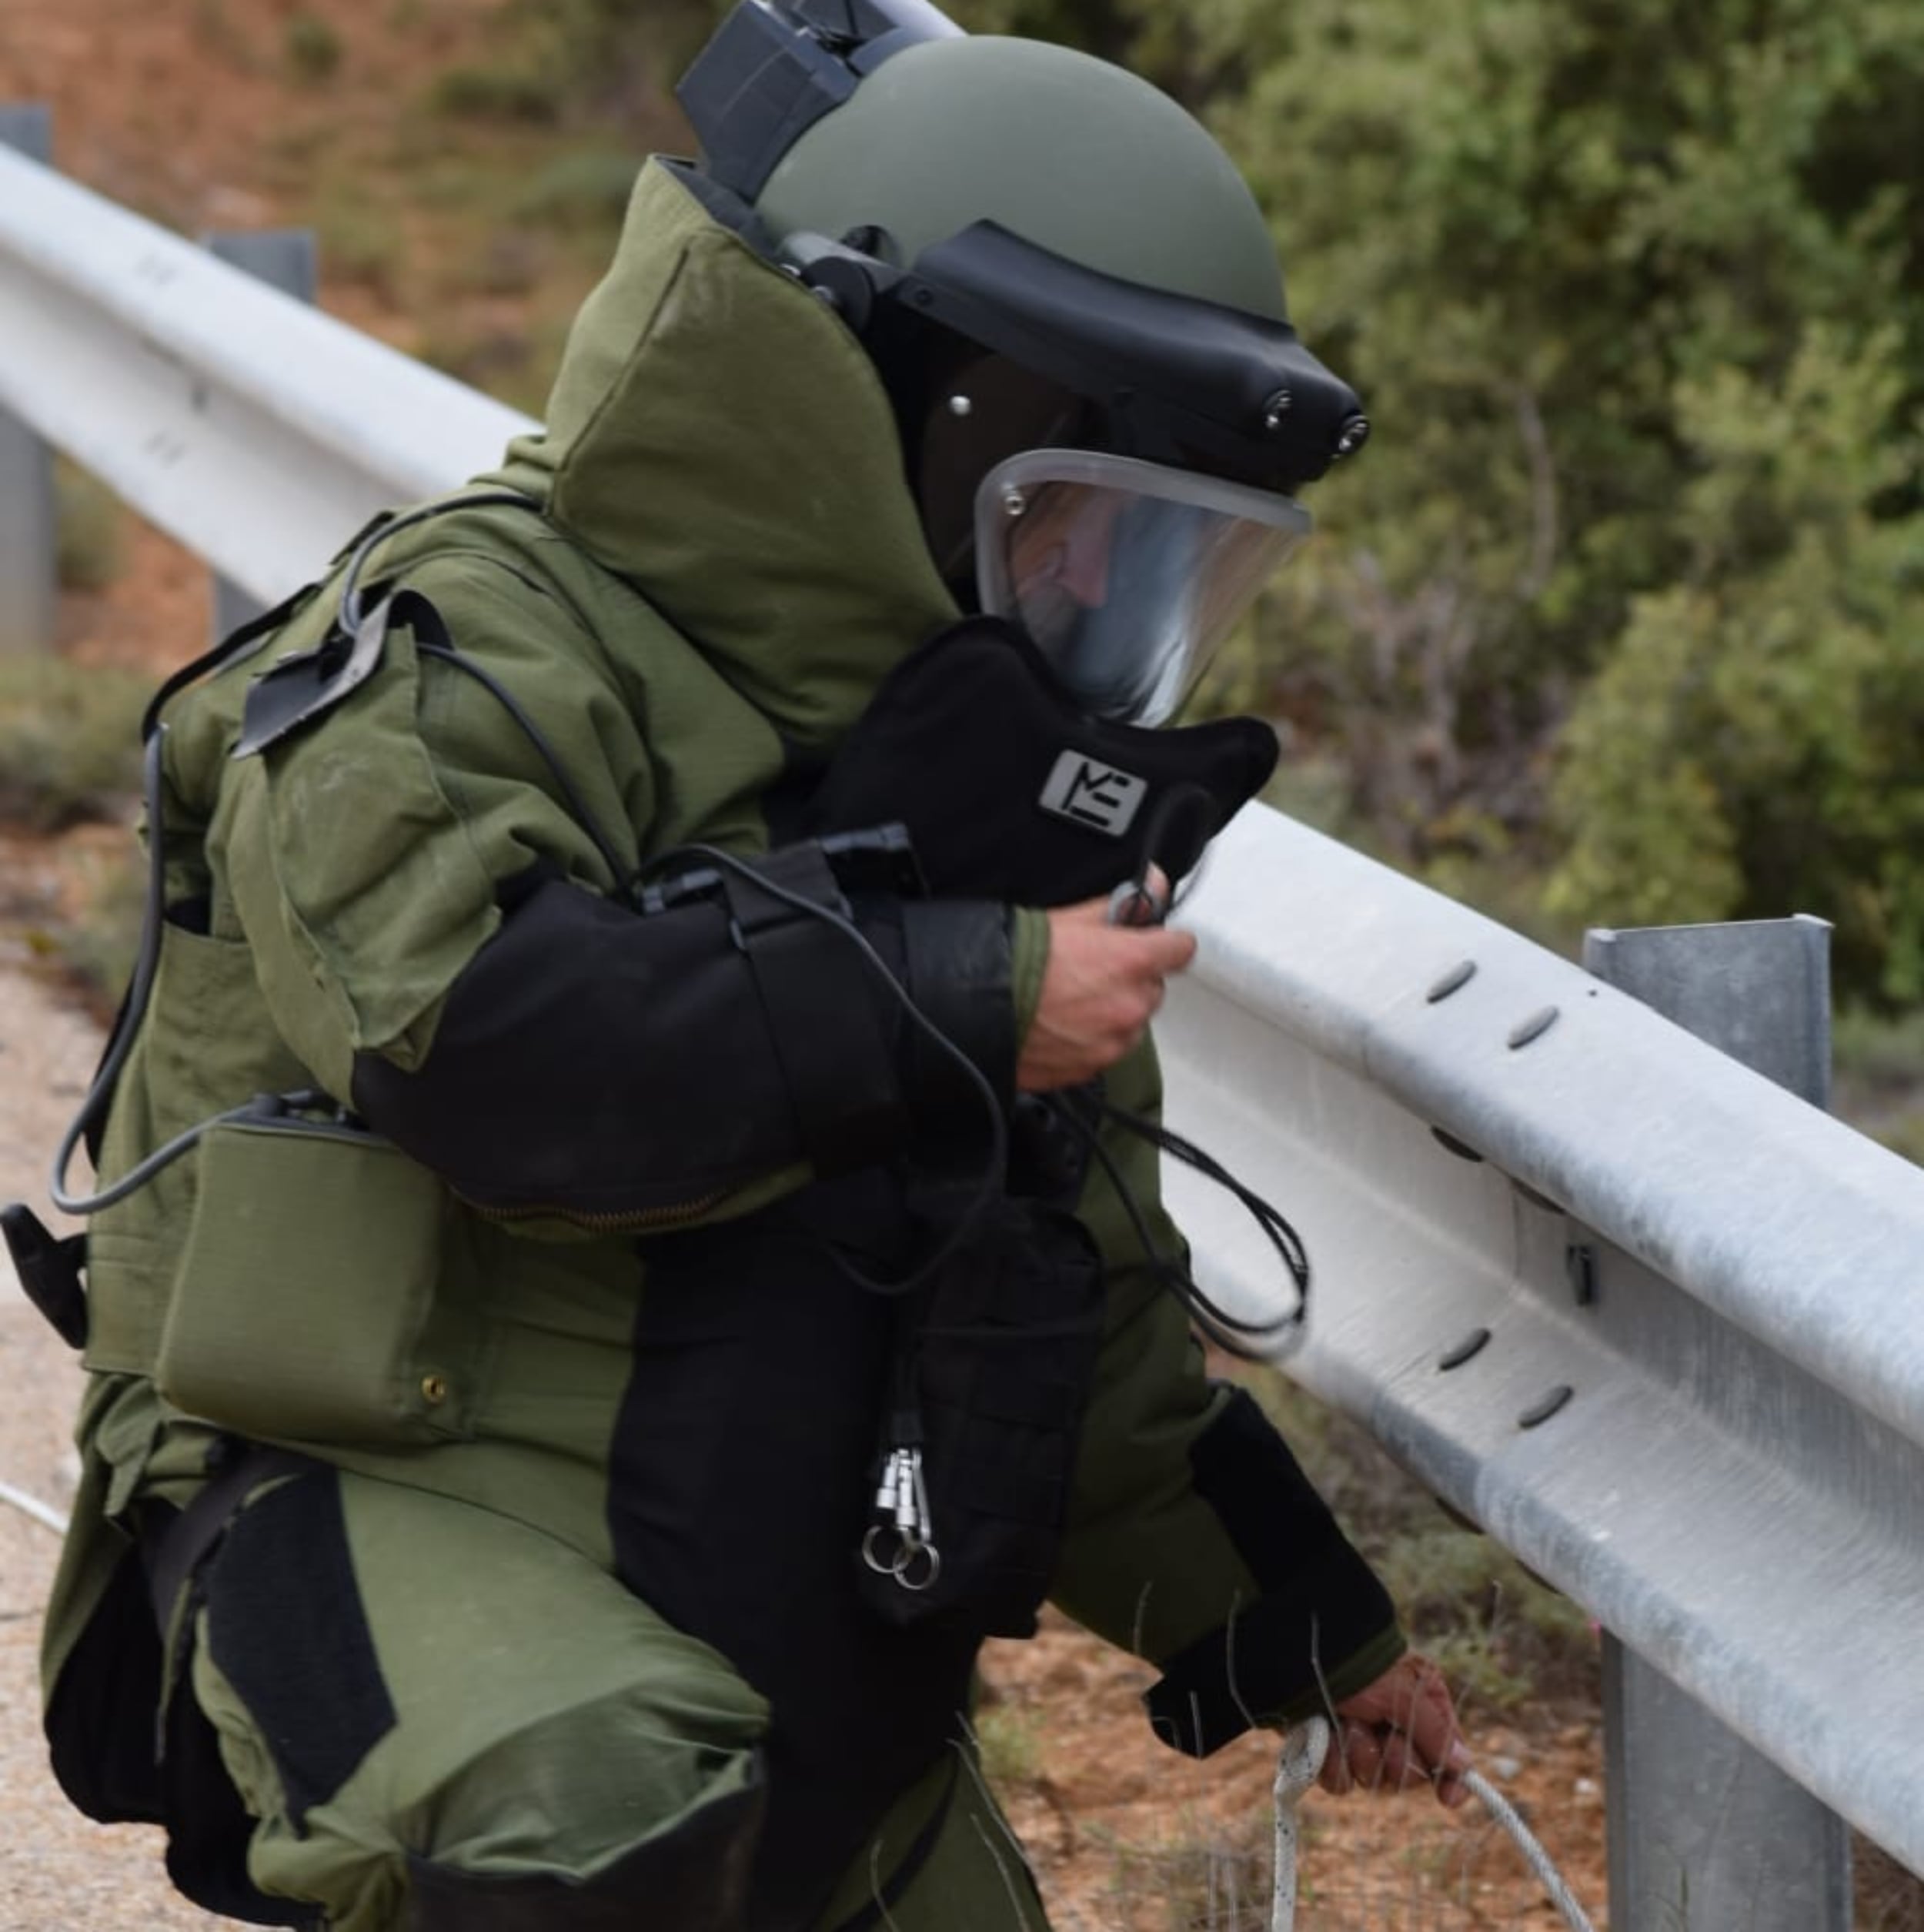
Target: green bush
[
  {"x": 89, "y": 523},
  {"x": 1009, "y": 1741},
  {"x": 583, "y": 191},
  {"x": 358, "y": 239},
  {"x": 69, "y": 741},
  {"x": 96, "y": 950},
  {"x": 527, "y": 95},
  {"x": 313, "y": 48}
]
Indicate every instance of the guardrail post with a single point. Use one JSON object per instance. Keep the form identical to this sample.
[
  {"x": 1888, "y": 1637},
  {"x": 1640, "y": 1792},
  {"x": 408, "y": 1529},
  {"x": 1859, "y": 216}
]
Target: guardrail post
[
  {"x": 29, "y": 527},
  {"x": 284, "y": 259},
  {"x": 1706, "y": 1834}
]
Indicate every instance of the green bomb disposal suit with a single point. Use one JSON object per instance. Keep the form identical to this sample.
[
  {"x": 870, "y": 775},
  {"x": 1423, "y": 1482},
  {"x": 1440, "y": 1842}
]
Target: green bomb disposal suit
[{"x": 554, "y": 1616}]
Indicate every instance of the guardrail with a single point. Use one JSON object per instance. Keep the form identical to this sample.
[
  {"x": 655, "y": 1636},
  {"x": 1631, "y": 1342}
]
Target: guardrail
[
  {"x": 259, "y": 432},
  {"x": 1698, "y": 1403}
]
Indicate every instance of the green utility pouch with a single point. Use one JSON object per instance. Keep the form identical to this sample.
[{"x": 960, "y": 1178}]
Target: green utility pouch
[{"x": 312, "y": 1301}]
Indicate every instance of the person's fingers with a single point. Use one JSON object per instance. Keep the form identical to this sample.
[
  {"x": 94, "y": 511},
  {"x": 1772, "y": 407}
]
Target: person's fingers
[
  {"x": 1084, "y": 912},
  {"x": 1334, "y": 1777},
  {"x": 1363, "y": 1751},
  {"x": 1402, "y": 1767},
  {"x": 1430, "y": 1722},
  {"x": 1101, "y": 985}
]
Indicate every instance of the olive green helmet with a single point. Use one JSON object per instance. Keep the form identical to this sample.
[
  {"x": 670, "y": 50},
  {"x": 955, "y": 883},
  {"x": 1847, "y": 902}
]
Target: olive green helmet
[
  {"x": 1041, "y": 253},
  {"x": 1072, "y": 154}
]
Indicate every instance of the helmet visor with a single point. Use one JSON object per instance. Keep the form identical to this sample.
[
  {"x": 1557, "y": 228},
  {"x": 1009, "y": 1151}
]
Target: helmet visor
[{"x": 1126, "y": 575}]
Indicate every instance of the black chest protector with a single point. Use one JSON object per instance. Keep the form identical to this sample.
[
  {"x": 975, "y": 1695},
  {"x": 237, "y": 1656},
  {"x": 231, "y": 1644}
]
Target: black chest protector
[{"x": 1010, "y": 792}]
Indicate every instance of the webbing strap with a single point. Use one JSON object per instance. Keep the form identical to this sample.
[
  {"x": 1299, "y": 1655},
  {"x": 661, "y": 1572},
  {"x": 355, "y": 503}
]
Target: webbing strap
[
  {"x": 835, "y": 1059},
  {"x": 176, "y": 1552}
]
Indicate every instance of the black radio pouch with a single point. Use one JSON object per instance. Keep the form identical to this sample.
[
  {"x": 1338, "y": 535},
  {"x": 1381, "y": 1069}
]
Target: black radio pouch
[{"x": 991, "y": 1376}]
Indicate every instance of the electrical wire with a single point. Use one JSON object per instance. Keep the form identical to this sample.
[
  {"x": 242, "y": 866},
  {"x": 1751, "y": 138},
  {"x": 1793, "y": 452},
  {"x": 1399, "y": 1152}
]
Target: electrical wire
[
  {"x": 41, "y": 1513},
  {"x": 146, "y": 964},
  {"x": 1303, "y": 1749},
  {"x": 989, "y": 1187},
  {"x": 624, "y": 877},
  {"x": 1233, "y": 1334}
]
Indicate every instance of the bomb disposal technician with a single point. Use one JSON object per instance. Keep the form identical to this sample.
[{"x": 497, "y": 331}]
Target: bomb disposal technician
[{"x": 627, "y": 1239}]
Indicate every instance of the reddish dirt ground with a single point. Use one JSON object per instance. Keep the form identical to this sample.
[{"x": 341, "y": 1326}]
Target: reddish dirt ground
[{"x": 167, "y": 107}]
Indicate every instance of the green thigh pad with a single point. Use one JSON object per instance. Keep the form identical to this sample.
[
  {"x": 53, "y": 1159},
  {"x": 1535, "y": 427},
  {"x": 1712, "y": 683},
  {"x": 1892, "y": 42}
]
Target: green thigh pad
[{"x": 447, "y": 1684}]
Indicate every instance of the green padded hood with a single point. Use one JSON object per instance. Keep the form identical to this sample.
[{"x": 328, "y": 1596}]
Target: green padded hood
[{"x": 717, "y": 438}]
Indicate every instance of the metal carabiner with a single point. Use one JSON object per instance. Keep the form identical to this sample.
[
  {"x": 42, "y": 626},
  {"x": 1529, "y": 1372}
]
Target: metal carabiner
[{"x": 910, "y": 1554}]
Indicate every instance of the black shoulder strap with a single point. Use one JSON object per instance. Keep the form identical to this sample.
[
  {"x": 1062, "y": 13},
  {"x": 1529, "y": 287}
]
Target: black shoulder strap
[{"x": 229, "y": 648}]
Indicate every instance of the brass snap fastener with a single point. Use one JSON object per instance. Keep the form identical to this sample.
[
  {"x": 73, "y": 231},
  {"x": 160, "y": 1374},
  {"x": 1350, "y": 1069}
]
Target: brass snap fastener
[{"x": 434, "y": 1389}]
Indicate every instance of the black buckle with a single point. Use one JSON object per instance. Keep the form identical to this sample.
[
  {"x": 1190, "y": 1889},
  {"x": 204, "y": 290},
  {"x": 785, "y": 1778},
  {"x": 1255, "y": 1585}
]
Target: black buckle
[{"x": 49, "y": 1270}]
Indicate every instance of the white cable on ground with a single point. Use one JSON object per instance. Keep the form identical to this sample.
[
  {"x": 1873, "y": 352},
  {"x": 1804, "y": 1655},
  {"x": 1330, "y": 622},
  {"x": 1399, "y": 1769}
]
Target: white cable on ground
[
  {"x": 32, "y": 1506},
  {"x": 1500, "y": 1808},
  {"x": 1296, "y": 1770}
]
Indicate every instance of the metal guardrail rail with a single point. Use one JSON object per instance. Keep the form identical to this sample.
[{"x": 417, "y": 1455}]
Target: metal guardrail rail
[
  {"x": 1726, "y": 1281},
  {"x": 1723, "y": 1280},
  {"x": 259, "y": 433}
]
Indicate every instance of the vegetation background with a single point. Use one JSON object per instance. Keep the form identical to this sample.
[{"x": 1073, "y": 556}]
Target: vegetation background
[{"x": 1617, "y": 619}]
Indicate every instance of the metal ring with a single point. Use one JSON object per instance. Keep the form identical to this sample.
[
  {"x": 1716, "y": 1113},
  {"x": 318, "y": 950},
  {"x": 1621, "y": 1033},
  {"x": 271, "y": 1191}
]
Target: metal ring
[
  {"x": 911, "y": 1551},
  {"x": 893, "y": 1568}
]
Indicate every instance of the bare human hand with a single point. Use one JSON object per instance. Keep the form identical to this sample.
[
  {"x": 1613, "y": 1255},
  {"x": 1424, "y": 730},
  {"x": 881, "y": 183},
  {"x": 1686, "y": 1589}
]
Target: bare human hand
[
  {"x": 1399, "y": 1733},
  {"x": 1101, "y": 988}
]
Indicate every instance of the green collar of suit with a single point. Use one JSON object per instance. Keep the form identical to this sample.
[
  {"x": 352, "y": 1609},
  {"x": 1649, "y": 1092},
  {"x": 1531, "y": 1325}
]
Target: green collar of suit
[{"x": 718, "y": 438}]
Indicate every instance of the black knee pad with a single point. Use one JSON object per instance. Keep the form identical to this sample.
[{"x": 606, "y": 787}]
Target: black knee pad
[{"x": 693, "y": 1878}]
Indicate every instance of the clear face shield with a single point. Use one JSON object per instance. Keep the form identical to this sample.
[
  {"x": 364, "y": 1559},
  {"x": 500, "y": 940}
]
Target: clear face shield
[{"x": 1127, "y": 575}]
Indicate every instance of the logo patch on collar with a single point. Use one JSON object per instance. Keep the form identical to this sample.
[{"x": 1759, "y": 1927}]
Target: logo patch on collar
[{"x": 1088, "y": 792}]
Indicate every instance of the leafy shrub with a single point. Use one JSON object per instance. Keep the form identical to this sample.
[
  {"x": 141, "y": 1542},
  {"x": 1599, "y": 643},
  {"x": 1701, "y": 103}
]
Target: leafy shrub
[
  {"x": 69, "y": 740},
  {"x": 95, "y": 949},
  {"x": 1009, "y": 1743},
  {"x": 522, "y": 94},
  {"x": 313, "y": 48},
  {"x": 586, "y": 191},
  {"x": 89, "y": 527},
  {"x": 359, "y": 240}
]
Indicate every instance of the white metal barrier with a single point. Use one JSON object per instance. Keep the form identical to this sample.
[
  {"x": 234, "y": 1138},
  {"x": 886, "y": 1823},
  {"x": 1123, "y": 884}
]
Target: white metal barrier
[
  {"x": 259, "y": 432},
  {"x": 1725, "y": 1280},
  {"x": 1697, "y": 1406}
]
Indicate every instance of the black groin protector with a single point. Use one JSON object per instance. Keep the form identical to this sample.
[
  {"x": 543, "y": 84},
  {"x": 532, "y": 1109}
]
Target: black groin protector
[{"x": 1011, "y": 792}]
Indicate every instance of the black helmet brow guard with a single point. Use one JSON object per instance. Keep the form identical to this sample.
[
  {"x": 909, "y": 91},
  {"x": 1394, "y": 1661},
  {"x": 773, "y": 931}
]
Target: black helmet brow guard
[{"x": 1171, "y": 379}]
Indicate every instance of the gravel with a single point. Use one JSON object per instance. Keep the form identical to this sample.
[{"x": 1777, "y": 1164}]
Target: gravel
[{"x": 59, "y": 1871}]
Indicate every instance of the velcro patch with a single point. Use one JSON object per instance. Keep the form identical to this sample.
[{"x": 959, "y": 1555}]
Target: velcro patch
[{"x": 1088, "y": 792}]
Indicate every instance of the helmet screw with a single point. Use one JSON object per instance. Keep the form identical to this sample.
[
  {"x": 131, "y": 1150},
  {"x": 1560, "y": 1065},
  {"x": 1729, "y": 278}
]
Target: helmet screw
[
  {"x": 1352, "y": 435},
  {"x": 960, "y": 406},
  {"x": 1278, "y": 406},
  {"x": 1014, "y": 502}
]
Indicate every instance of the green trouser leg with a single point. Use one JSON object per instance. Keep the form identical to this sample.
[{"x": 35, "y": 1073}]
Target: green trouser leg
[
  {"x": 441, "y": 1717},
  {"x": 444, "y": 1720}
]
